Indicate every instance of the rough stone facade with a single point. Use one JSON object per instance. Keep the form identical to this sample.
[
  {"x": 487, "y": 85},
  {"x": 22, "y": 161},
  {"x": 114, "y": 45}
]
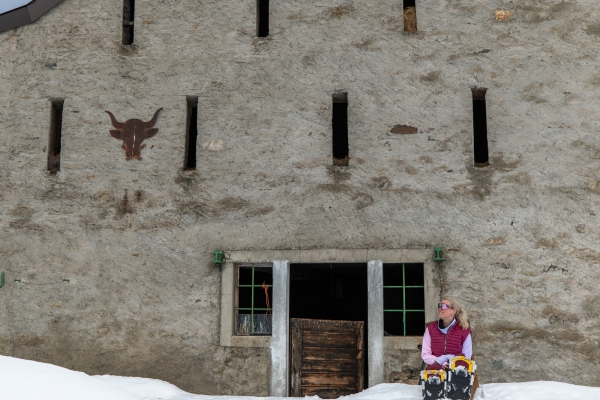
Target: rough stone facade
[{"x": 135, "y": 238}]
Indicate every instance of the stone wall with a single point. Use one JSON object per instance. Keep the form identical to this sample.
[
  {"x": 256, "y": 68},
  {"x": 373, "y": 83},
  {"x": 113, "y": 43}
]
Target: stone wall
[{"x": 135, "y": 238}]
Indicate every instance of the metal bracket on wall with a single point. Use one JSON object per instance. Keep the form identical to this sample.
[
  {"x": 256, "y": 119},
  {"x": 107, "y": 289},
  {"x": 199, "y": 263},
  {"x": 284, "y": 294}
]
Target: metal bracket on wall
[
  {"x": 219, "y": 257},
  {"x": 1, "y": 279},
  {"x": 438, "y": 254}
]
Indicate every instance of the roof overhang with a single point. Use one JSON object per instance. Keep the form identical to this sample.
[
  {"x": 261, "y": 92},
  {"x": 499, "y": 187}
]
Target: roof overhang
[
  {"x": 15, "y": 13},
  {"x": 9, "y": 5}
]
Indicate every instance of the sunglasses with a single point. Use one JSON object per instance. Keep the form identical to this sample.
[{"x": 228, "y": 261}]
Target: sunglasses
[{"x": 443, "y": 306}]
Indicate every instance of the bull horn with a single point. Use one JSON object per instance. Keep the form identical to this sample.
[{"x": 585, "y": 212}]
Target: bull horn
[
  {"x": 116, "y": 124},
  {"x": 151, "y": 123}
]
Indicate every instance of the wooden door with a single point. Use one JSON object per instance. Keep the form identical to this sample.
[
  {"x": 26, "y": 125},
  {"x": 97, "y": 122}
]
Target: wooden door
[{"x": 327, "y": 358}]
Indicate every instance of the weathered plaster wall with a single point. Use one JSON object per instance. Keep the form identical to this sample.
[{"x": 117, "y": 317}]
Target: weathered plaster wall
[{"x": 135, "y": 237}]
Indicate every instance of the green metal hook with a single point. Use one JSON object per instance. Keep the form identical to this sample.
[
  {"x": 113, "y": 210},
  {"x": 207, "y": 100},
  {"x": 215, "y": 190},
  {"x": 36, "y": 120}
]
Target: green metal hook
[
  {"x": 438, "y": 255},
  {"x": 219, "y": 256},
  {"x": 1, "y": 279}
]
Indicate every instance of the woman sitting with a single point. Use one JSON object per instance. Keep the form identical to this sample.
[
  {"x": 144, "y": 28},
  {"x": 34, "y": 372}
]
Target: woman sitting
[{"x": 448, "y": 337}]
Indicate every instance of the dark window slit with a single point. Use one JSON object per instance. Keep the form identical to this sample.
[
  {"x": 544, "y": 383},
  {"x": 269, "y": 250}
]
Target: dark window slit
[
  {"x": 54, "y": 142},
  {"x": 262, "y": 18},
  {"x": 410, "y": 16},
  {"x": 191, "y": 137},
  {"x": 480, "y": 140},
  {"x": 339, "y": 126},
  {"x": 128, "y": 17}
]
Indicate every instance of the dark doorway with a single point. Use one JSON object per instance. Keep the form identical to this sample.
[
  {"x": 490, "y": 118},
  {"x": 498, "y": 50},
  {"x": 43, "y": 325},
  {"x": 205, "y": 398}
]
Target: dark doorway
[{"x": 331, "y": 291}]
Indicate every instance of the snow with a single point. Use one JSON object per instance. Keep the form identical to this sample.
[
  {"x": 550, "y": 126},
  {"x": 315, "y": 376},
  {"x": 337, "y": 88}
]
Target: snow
[
  {"x": 30, "y": 380},
  {"x": 537, "y": 390},
  {"x": 9, "y": 5}
]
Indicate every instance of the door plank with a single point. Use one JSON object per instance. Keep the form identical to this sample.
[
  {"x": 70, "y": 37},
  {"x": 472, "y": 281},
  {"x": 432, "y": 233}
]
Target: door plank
[
  {"x": 324, "y": 379},
  {"x": 296, "y": 337},
  {"x": 359, "y": 357},
  {"x": 345, "y": 366},
  {"x": 325, "y": 353},
  {"x": 320, "y": 325},
  {"x": 328, "y": 393},
  {"x": 329, "y": 339}
]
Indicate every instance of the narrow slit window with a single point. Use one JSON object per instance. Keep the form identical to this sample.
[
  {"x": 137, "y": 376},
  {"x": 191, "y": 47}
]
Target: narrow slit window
[
  {"x": 254, "y": 290},
  {"x": 262, "y": 18},
  {"x": 128, "y": 17},
  {"x": 480, "y": 140},
  {"x": 191, "y": 137},
  {"x": 339, "y": 126},
  {"x": 54, "y": 142},
  {"x": 403, "y": 299},
  {"x": 410, "y": 16}
]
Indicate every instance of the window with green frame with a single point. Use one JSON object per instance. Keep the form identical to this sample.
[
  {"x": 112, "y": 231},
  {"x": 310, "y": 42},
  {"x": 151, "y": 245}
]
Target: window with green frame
[
  {"x": 403, "y": 299},
  {"x": 254, "y": 289}
]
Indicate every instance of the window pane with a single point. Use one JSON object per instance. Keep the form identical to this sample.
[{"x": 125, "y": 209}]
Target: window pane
[
  {"x": 245, "y": 297},
  {"x": 260, "y": 298},
  {"x": 392, "y": 299},
  {"x": 392, "y": 274},
  {"x": 245, "y": 276},
  {"x": 413, "y": 274},
  {"x": 415, "y": 299},
  {"x": 263, "y": 274},
  {"x": 263, "y": 324},
  {"x": 392, "y": 323},
  {"x": 244, "y": 324},
  {"x": 415, "y": 323}
]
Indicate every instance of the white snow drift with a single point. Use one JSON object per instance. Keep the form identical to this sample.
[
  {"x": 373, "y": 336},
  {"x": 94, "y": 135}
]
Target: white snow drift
[{"x": 30, "y": 380}]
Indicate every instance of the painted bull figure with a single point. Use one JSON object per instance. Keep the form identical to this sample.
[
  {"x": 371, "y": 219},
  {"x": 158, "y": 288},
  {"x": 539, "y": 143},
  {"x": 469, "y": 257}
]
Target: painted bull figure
[{"x": 133, "y": 132}]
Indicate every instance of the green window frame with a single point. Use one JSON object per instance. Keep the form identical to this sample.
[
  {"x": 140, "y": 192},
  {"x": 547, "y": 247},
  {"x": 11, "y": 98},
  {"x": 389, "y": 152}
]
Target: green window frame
[
  {"x": 259, "y": 321},
  {"x": 395, "y": 291}
]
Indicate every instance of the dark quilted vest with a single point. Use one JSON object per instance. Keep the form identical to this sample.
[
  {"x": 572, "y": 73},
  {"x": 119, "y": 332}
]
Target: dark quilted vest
[{"x": 452, "y": 342}]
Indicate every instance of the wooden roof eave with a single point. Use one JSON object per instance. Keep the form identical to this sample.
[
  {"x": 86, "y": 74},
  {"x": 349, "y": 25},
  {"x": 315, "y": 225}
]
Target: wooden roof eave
[{"x": 26, "y": 14}]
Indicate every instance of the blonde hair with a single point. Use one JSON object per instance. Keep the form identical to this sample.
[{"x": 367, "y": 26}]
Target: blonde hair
[{"x": 461, "y": 315}]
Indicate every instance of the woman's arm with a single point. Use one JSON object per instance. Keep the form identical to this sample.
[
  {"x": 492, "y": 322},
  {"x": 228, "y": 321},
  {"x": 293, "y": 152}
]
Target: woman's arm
[
  {"x": 467, "y": 348},
  {"x": 426, "y": 351}
]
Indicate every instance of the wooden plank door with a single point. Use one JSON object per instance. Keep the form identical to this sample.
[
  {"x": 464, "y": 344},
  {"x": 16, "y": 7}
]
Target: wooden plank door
[{"x": 327, "y": 358}]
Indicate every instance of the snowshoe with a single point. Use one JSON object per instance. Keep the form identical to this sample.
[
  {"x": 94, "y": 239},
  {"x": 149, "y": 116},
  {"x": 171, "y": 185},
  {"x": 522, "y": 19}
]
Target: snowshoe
[
  {"x": 433, "y": 384},
  {"x": 461, "y": 374}
]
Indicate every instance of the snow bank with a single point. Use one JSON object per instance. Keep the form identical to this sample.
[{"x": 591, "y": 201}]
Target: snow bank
[
  {"x": 30, "y": 380},
  {"x": 388, "y": 391},
  {"x": 537, "y": 390},
  {"x": 491, "y": 391},
  {"x": 144, "y": 388}
]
